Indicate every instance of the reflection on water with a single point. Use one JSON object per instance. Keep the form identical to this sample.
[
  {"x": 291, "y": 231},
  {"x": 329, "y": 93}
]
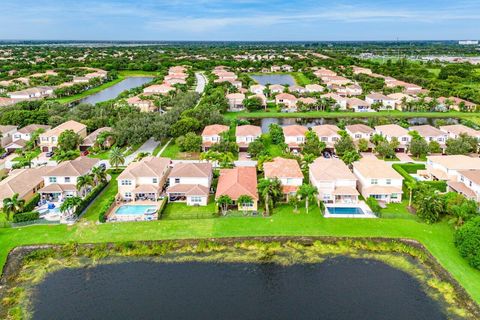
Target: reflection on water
[
  {"x": 340, "y": 288},
  {"x": 283, "y": 79},
  {"x": 113, "y": 91}
]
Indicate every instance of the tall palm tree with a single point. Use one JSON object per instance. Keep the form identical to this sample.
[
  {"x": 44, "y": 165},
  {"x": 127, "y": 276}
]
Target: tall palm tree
[
  {"x": 307, "y": 160},
  {"x": 83, "y": 182},
  {"x": 223, "y": 202},
  {"x": 70, "y": 204},
  {"x": 269, "y": 189},
  {"x": 307, "y": 192},
  {"x": 244, "y": 201},
  {"x": 13, "y": 205},
  {"x": 411, "y": 185},
  {"x": 99, "y": 174},
  {"x": 116, "y": 157}
]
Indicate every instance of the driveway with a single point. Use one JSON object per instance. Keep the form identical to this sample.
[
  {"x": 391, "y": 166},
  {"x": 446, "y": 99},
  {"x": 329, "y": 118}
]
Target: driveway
[
  {"x": 148, "y": 146},
  {"x": 201, "y": 82},
  {"x": 403, "y": 157}
]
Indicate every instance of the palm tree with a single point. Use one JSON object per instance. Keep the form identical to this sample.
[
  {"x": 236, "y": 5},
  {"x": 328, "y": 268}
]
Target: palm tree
[
  {"x": 307, "y": 192},
  {"x": 411, "y": 185},
  {"x": 269, "y": 189},
  {"x": 99, "y": 174},
  {"x": 70, "y": 204},
  {"x": 84, "y": 181},
  {"x": 307, "y": 160},
  {"x": 244, "y": 202},
  {"x": 116, "y": 157},
  {"x": 262, "y": 159},
  {"x": 13, "y": 205},
  {"x": 226, "y": 159},
  {"x": 223, "y": 202}
]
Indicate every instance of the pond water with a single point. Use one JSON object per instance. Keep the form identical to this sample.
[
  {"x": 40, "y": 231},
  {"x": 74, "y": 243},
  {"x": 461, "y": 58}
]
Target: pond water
[
  {"x": 113, "y": 91},
  {"x": 339, "y": 288},
  {"x": 310, "y": 122},
  {"x": 265, "y": 79}
]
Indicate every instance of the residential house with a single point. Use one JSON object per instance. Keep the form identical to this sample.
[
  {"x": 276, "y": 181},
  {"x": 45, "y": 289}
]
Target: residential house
[
  {"x": 384, "y": 101},
  {"x": 377, "y": 179},
  {"x": 340, "y": 102},
  {"x": 246, "y": 134},
  {"x": 447, "y": 167},
  {"x": 212, "y": 134},
  {"x": 237, "y": 182},
  {"x": 467, "y": 184},
  {"x": 390, "y": 131},
  {"x": 312, "y": 88},
  {"x": 350, "y": 90},
  {"x": 297, "y": 89},
  {"x": 276, "y": 88},
  {"x": 400, "y": 99},
  {"x": 359, "y": 131},
  {"x": 162, "y": 89},
  {"x": 430, "y": 133},
  {"x": 327, "y": 133},
  {"x": 61, "y": 181},
  {"x": 190, "y": 183},
  {"x": 294, "y": 136},
  {"x": 455, "y": 130},
  {"x": 6, "y": 134},
  {"x": 257, "y": 89},
  {"x": 26, "y": 132},
  {"x": 289, "y": 101},
  {"x": 49, "y": 139},
  {"x": 358, "y": 105},
  {"x": 144, "y": 105},
  {"x": 235, "y": 101},
  {"x": 91, "y": 140},
  {"x": 338, "y": 80},
  {"x": 360, "y": 70},
  {"x": 31, "y": 93},
  {"x": 334, "y": 181},
  {"x": 287, "y": 171},
  {"x": 143, "y": 180},
  {"x": 24, "y": 182},
  {"x": 457, "y": 104}
]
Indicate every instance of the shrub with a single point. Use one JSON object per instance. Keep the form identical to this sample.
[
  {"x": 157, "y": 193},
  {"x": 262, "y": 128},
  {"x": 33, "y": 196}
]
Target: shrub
[
  {"x": 26, "y": 216},
  {"x": 90, "y": 197},
  {"x": 373, "y": 204},
  {"x": 467, "y": 240},
  {"x": 102, "y": 215},
  {"x": 32, "y": 203}
]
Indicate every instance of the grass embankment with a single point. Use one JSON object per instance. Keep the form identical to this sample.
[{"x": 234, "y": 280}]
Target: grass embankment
[
  {"x": 272, "y": 113},
  {"x": 39, "y": 263},
  {"x": 437, "y": 238}
]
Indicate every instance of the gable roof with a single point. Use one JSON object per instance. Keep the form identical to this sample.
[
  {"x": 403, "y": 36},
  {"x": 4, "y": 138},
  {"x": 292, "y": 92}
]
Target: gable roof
[
  {"x": 393, "y": 130},
  {"x": 359, "y": 127},
  {"x": 370, "y": 167},
  {"x": 427, "y": 130},
  {"x": 33, "y": 127},
  {"x": 236, "y": 182},
  {"x": 74, "y": 168},
  {"x": 323, "y": 169},
  {"x": 69, "y": 125},
  {"x": 326, "y": 130},
  {"x": 22, "y": 181},
  {"x": 456, "y": 162},
  {"x": 147, "y": 167},
  {"x": 92, "y": 137},
  {"x": 191, "y": 170},
  {"x": 294, "y": 130},
  {"x": 282, "y": 168},
  {"x": 248, "y": 130},
  {"x": 214, "y": 129}
]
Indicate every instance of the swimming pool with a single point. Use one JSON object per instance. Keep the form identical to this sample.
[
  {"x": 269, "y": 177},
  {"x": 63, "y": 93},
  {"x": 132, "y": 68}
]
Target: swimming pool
[
  {"x": 136, "y": 210},
  {"x": 345, "y": 210}
]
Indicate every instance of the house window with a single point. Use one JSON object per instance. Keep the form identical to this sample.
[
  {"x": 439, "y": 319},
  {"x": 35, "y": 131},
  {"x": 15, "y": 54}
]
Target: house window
[
  {"x": 67, "y": 179},
  {"x": 177, "y": 180},
  {"x": 128, "y": 194},
  {"x": 196, "y": 199},
  {"x": 126, "y": 182},
  {"x": 374, "y": 181},
  {"x": 404, "y": 138},
  {"x": 394, "y": 196},
  {"x": 324, "y": 139},
  {"x": 334, "y": 138},
  {"x": 52, "y": 179},
  {"x": 154, "y": 180},
  {"x": 358, "y": 136},
  {"x": 389, "y": 181}
]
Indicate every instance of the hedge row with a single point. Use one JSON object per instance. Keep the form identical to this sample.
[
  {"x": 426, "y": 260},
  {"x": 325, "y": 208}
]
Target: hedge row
[
  {"x": 32, "y": 203},
  {"x": 162, "y": 207},
  {"x": 90, "y": 197},
  {"x": 405, "y": 169},
  {"x": 26, "y": 216},
  {"x": 102, "y": 215}
]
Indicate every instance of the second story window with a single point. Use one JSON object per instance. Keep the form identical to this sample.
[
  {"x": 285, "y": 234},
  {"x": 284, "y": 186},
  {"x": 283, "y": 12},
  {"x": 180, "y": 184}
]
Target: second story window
[
  {"x": 126, "y": 182},
  {"x": 154, "y": 180},
  {"x": 374, "y": 181},
  {"x": 67, "y": 179},
  {"x": 177, "y": 180},
  {"x": 389, "y": 181},
  {"x": 52, "y": 179}
]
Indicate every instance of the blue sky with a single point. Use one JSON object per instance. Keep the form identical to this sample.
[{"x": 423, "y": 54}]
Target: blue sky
[{"x": 239, "y": 19}]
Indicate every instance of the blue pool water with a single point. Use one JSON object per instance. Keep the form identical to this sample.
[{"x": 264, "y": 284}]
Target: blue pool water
[
  {"x": 136, "y": 210},
  {"x": 337, "y": 210}
]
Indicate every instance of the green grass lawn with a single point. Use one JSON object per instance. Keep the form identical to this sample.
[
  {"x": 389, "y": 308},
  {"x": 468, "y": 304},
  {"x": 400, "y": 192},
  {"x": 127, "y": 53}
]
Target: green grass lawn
[
  {"x": 91, "y": 214},
  {"x": 34, "y": 153},
  {"x": 137, "y": 73},
  {"x": 181, "y": 211},
  {"x": 171, "y": 151},
  {"x": 437, "y": 238},
  {"x": 300, "y": 78},
  {"x": 397, "y": 211},
  {"x": 435, "y": 71},
  {"x": 102, "y": 155},
  {"x": 89, "y": 92}
]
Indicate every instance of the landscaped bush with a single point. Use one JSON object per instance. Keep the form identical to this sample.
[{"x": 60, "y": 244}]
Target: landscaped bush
[
  {"x": 162, "y": 207},
  {"x": 26, "y": 216},
  {"x": 405, "y": 169},
  {"x": 467, "y": 240},
  {"x": 90, "y": 197},
  {"x": 373, "y": 204},
  {"x": 32, "y": 203},
  {"x": 102, "y": 215}
]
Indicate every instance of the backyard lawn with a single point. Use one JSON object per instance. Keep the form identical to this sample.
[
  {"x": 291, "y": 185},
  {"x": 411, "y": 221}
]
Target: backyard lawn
[
  {"x": 91, "y": 214},
  {"x": 173, "y": 152},
  {"x": 397, "y": 211},
  {"x": 181, "y": 211},
  {"x": 300, "y": 79}
]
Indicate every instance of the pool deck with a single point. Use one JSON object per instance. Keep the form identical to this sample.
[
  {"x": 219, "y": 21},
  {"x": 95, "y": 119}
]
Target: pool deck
[
  {"x": 112, "y": 217},
  {"x": 367, "y": 213}
]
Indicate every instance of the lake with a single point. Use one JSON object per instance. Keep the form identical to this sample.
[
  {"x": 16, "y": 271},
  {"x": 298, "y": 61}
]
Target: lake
[
  {"x": 265, "y": 79},
  {"x": 310, "y": 122},
  {"x": 340, "y": 288},
  {"x": 113, "y": 91}
]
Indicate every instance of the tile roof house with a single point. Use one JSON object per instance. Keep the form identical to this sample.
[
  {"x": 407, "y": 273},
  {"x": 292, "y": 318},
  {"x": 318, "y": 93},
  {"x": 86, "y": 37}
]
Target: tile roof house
[
  {"x": 447, "y": 167},
  {"x": 327, "y": 133},
  {"x": 377, "y": 179},
  {"x": 26, "y": 132},
  {"x": 359, "y": 131},
  {"x": 257, "y": 88},
  {"x": 455, "y": 130},
  {"x": 276, "y": 88},
  {"x": 246, "y": 134},
  {"x": 297, "y": 89},
  {"x": 144, "y": 105},
  {"x": 212, "y": 134},
  {"x": 286, "y": 99},
  {"x": 237, "y": 182},
  {"x": 400, "y": 99},
  {"x": 287, "y": 171},
  {"x": 49, "y": 139},
  {"x": 467, "y": 184},
  {"x": 7, "y": 134},
  {"x": 390, "y": 131},
  {"x": 314, "y": 88},
  {"x": 235, "y": 101},
  {"x": 190, "y": 183},
  {"x": 61, "y": 181},
  {"x": 25, "y": 182},
  {"x": 91, "y": 139},
  {"x": 340, "y": 102},
  {"x": 430, "y": 133},
  {"x": 294, "y": 136},
  {"x": 358, "y": 105},
  {"x": 457, "y": 104},
  {"x": 159, "y": 89},
  {"x": 377, "y": 98},
  {"x": 334, "y": 181},
  {"x": 144, "y": 179}
]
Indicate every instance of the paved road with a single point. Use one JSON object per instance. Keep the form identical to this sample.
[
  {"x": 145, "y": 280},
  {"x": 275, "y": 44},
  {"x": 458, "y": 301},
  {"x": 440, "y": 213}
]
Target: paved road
[
  {"x": 201, "y": 82},
  {"x": 148, "y": 146}
]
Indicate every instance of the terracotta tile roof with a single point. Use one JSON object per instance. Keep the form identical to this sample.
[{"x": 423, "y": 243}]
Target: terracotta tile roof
[
  {"x": 69, "y": 125},
  {"x": 427, "y": 131},
  {"x": 326, "y": 130},
  {"x": 214, "y": 129},
  {"x": 189, "y": 189},
  {"x": 92, "y": 137},
  {"x": 7, "y": 128},
  {"x": 147, "y": 167},
  {"x": 308, "y": 100},
  {"x": 392, "y": 130},
  {"x": 74, "y": 168},
  {"x": 191, "y": 170},
  {"x": 294, "y": 130},
  {"x": 236, "y": 182},
  {"x": 55, "y": 187},
  {"x": 248, "y": 130},
  {"x": 456, "y": 162},
  {"x": 370, "y": 167},
  {"x": 323, "y": 169},
  {"x": 463, "y": 189},
  {"x": 472, "y": 175},
  {"x": 22, "y": 181},
  {"x": 34, "y": 127},
  {"x": 282, "y": 168},
  {"x": 457, "y": 129},
  {"x": 363, "y": 128},
  {"x": 377, "y": 189}
]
